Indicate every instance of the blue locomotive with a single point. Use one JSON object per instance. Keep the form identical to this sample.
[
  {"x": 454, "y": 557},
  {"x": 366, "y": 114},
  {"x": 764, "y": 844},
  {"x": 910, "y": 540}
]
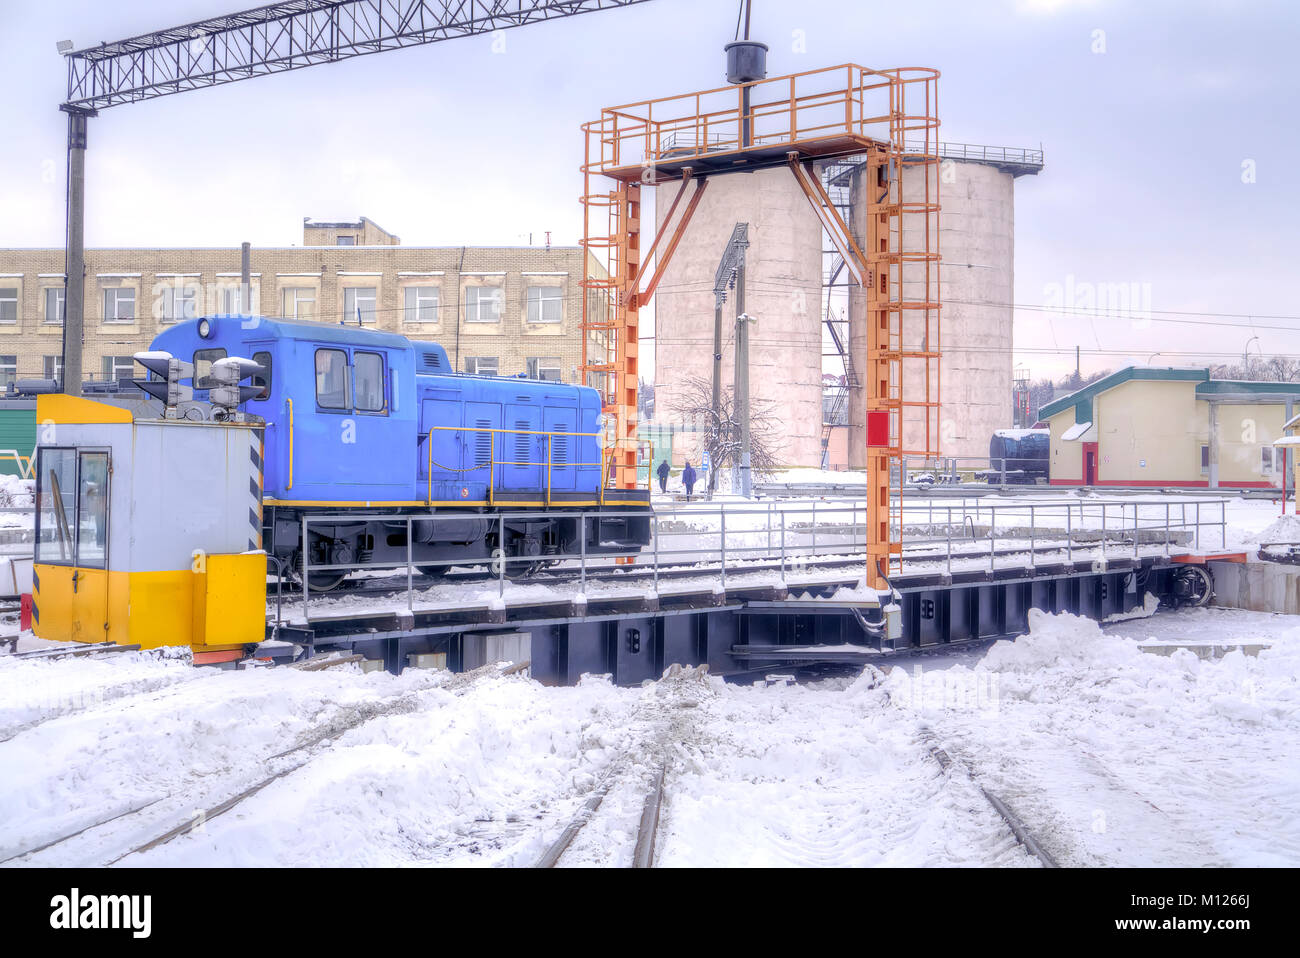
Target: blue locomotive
[{"x": 380, "y": 428}]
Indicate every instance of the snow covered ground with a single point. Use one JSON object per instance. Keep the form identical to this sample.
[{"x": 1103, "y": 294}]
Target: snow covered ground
[{"x": 1111, "y": 755}]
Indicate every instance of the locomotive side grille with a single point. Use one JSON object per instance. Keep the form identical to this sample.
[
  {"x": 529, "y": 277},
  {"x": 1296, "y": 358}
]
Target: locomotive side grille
[
  {"x": 523, "y": 442},
  {"x": 482, "y": 442},
  {"x": 560, "y": 445},
  {"x": 430, "y": 362}
]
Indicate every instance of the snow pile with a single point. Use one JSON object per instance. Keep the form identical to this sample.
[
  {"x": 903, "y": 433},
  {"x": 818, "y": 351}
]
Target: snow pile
[
  {"x": 1285, "y": 529},
  {"x": 1060, "y": 642},
  {"x": 16, "y": 492}
]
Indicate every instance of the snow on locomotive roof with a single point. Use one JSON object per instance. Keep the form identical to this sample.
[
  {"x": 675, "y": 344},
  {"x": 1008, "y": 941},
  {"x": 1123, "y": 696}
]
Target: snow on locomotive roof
[{"x": 317, "y": 332}]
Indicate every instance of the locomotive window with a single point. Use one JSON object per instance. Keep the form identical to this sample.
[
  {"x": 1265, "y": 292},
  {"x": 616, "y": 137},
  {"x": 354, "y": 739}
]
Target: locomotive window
[
  {"x": 262, "y": 379},
  {"x": 332, "y": 379},
  {"x": 369, "y": 372},
  {"x": 203, "y": 360}
]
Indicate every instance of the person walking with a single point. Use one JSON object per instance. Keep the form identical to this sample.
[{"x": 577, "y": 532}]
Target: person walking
[
  {"x": 688, "y": 479},
  {"x": 663, "y": 476}
]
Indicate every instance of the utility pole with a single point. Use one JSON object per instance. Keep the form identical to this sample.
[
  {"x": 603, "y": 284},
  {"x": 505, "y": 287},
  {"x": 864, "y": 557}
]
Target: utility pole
[
  {"x": 743, "y": 484},
  {"x": 245, "y": 277},
  {"x": 74, "y": 264},
  {"x": 730, "y": 267}
]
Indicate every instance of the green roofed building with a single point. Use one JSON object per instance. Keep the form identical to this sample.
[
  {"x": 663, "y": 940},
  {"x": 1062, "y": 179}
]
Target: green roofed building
[{"x": 1170, "y": 427}]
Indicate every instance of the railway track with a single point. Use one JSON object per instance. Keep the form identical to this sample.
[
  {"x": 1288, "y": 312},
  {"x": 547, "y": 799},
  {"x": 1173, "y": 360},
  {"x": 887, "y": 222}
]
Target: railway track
[
  {"x": 135, "y": 829},
  {"x": 641, "y": 770},
  {"x": 949, "y": 765}
]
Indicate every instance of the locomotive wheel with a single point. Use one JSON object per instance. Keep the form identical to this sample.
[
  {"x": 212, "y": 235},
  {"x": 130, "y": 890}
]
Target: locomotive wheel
[
  {"x": 433, "y": 571},
  {"x": 319, "y": 581}
]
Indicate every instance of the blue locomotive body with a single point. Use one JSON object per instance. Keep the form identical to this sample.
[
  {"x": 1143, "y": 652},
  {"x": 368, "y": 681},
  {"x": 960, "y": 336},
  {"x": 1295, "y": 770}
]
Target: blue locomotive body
[{"x": 365, "y": 422}]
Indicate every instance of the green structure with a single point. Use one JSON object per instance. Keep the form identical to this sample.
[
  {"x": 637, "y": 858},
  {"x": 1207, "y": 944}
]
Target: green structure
[{"x": 17, "y": 435}]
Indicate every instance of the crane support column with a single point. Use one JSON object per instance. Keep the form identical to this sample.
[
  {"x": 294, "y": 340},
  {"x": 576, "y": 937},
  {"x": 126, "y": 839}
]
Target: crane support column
[{"x": 74, "y": 269}]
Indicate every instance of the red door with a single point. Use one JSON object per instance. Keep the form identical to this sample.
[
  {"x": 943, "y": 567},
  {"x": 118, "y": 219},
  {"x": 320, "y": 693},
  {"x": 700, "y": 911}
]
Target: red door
[{"x": 1089, "y": 463}]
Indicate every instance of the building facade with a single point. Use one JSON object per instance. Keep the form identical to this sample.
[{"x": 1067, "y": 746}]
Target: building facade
[
  {"x": 496, "y": 310},
  {"x": 1171, "y": 428}
]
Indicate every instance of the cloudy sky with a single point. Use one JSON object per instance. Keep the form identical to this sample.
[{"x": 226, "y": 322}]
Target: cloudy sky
[{"x": 1169, "y": 130}]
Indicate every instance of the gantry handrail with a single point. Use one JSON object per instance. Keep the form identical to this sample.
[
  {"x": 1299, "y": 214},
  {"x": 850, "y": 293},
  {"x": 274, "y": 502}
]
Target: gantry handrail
[{"x": 862, "y": 106}]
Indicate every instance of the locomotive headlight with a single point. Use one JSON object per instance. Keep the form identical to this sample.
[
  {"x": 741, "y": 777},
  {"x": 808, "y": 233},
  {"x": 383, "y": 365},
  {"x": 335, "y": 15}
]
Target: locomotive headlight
[{"x": 205, "y": 328}]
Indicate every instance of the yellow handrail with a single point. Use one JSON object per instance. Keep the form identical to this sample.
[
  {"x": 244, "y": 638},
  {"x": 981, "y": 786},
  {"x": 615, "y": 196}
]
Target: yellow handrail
[
  {"x": 290, "y": 484},
  {"x": 493, "y": 463}
]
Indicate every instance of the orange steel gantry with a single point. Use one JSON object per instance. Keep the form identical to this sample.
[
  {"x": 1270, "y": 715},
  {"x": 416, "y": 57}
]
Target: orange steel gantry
[{"x": 891, "y": 117}]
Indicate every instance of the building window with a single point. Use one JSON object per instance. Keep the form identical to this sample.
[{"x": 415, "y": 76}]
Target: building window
[
  {"x": 332, "y": 379},
  {"x": 54, "y": 303},
  {"x": 299, "y": 303},
  {"x": 421, "y": 304},
  {"x": 1266, "y": 460},
  {"x": 483, "y": 304},
  {"x": 8, "y": 371},
  {"x": 203, "y": 360},
  {"x": 52, "y": 367},
  {"x": 545, "y": 304},
  {"x": 232, "y": 301},
  {"x": 368, "y": 382},
  {"x": 544, "y": 367},
  {"x": 119, "y": 305},
  {"x": 179, "y": 303},
  {"x": 8, "y": 304},
  {"x": 359, "y": 299},
  {"x": 481, "y": 365},
  {"x": 345, "y": 241},
  {"x": 1205, "y": 460},
  {"x": 118, "y": 367}
]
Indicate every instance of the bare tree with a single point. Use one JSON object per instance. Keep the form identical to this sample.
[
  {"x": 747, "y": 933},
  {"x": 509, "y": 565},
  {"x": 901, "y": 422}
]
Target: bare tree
[
  {"x": 1273, "y": 369},
  {"x": 721, "y": 433}
]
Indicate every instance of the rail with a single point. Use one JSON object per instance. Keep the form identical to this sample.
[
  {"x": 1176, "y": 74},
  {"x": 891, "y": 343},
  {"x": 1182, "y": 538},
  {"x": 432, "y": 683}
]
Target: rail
[{"x": 793, "y": 538}]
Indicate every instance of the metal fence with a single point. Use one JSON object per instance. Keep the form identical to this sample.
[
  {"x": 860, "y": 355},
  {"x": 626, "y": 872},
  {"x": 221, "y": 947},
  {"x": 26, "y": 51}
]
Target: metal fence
[{"x": 792, "y": 537}]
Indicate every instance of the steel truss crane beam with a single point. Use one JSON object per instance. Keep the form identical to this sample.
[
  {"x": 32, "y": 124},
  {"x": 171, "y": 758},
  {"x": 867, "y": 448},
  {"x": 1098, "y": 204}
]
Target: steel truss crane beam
[
  {"x": 288, "y": 36},
  {"x": 239, "y": 46}
]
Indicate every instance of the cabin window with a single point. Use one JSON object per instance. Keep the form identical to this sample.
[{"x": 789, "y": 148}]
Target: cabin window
[
  {"x": 203, "y": 360},
  {"x": 263, "y": 378},
  {"x": 56, "y": 504},
  {"x": 368, "y": 369},
  {"x": 332, "y": 379},
  {"x": 92, "y": 510}
]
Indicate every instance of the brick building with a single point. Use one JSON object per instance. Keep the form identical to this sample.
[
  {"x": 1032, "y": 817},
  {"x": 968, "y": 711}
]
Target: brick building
[{"x": 496, "y": 310}]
